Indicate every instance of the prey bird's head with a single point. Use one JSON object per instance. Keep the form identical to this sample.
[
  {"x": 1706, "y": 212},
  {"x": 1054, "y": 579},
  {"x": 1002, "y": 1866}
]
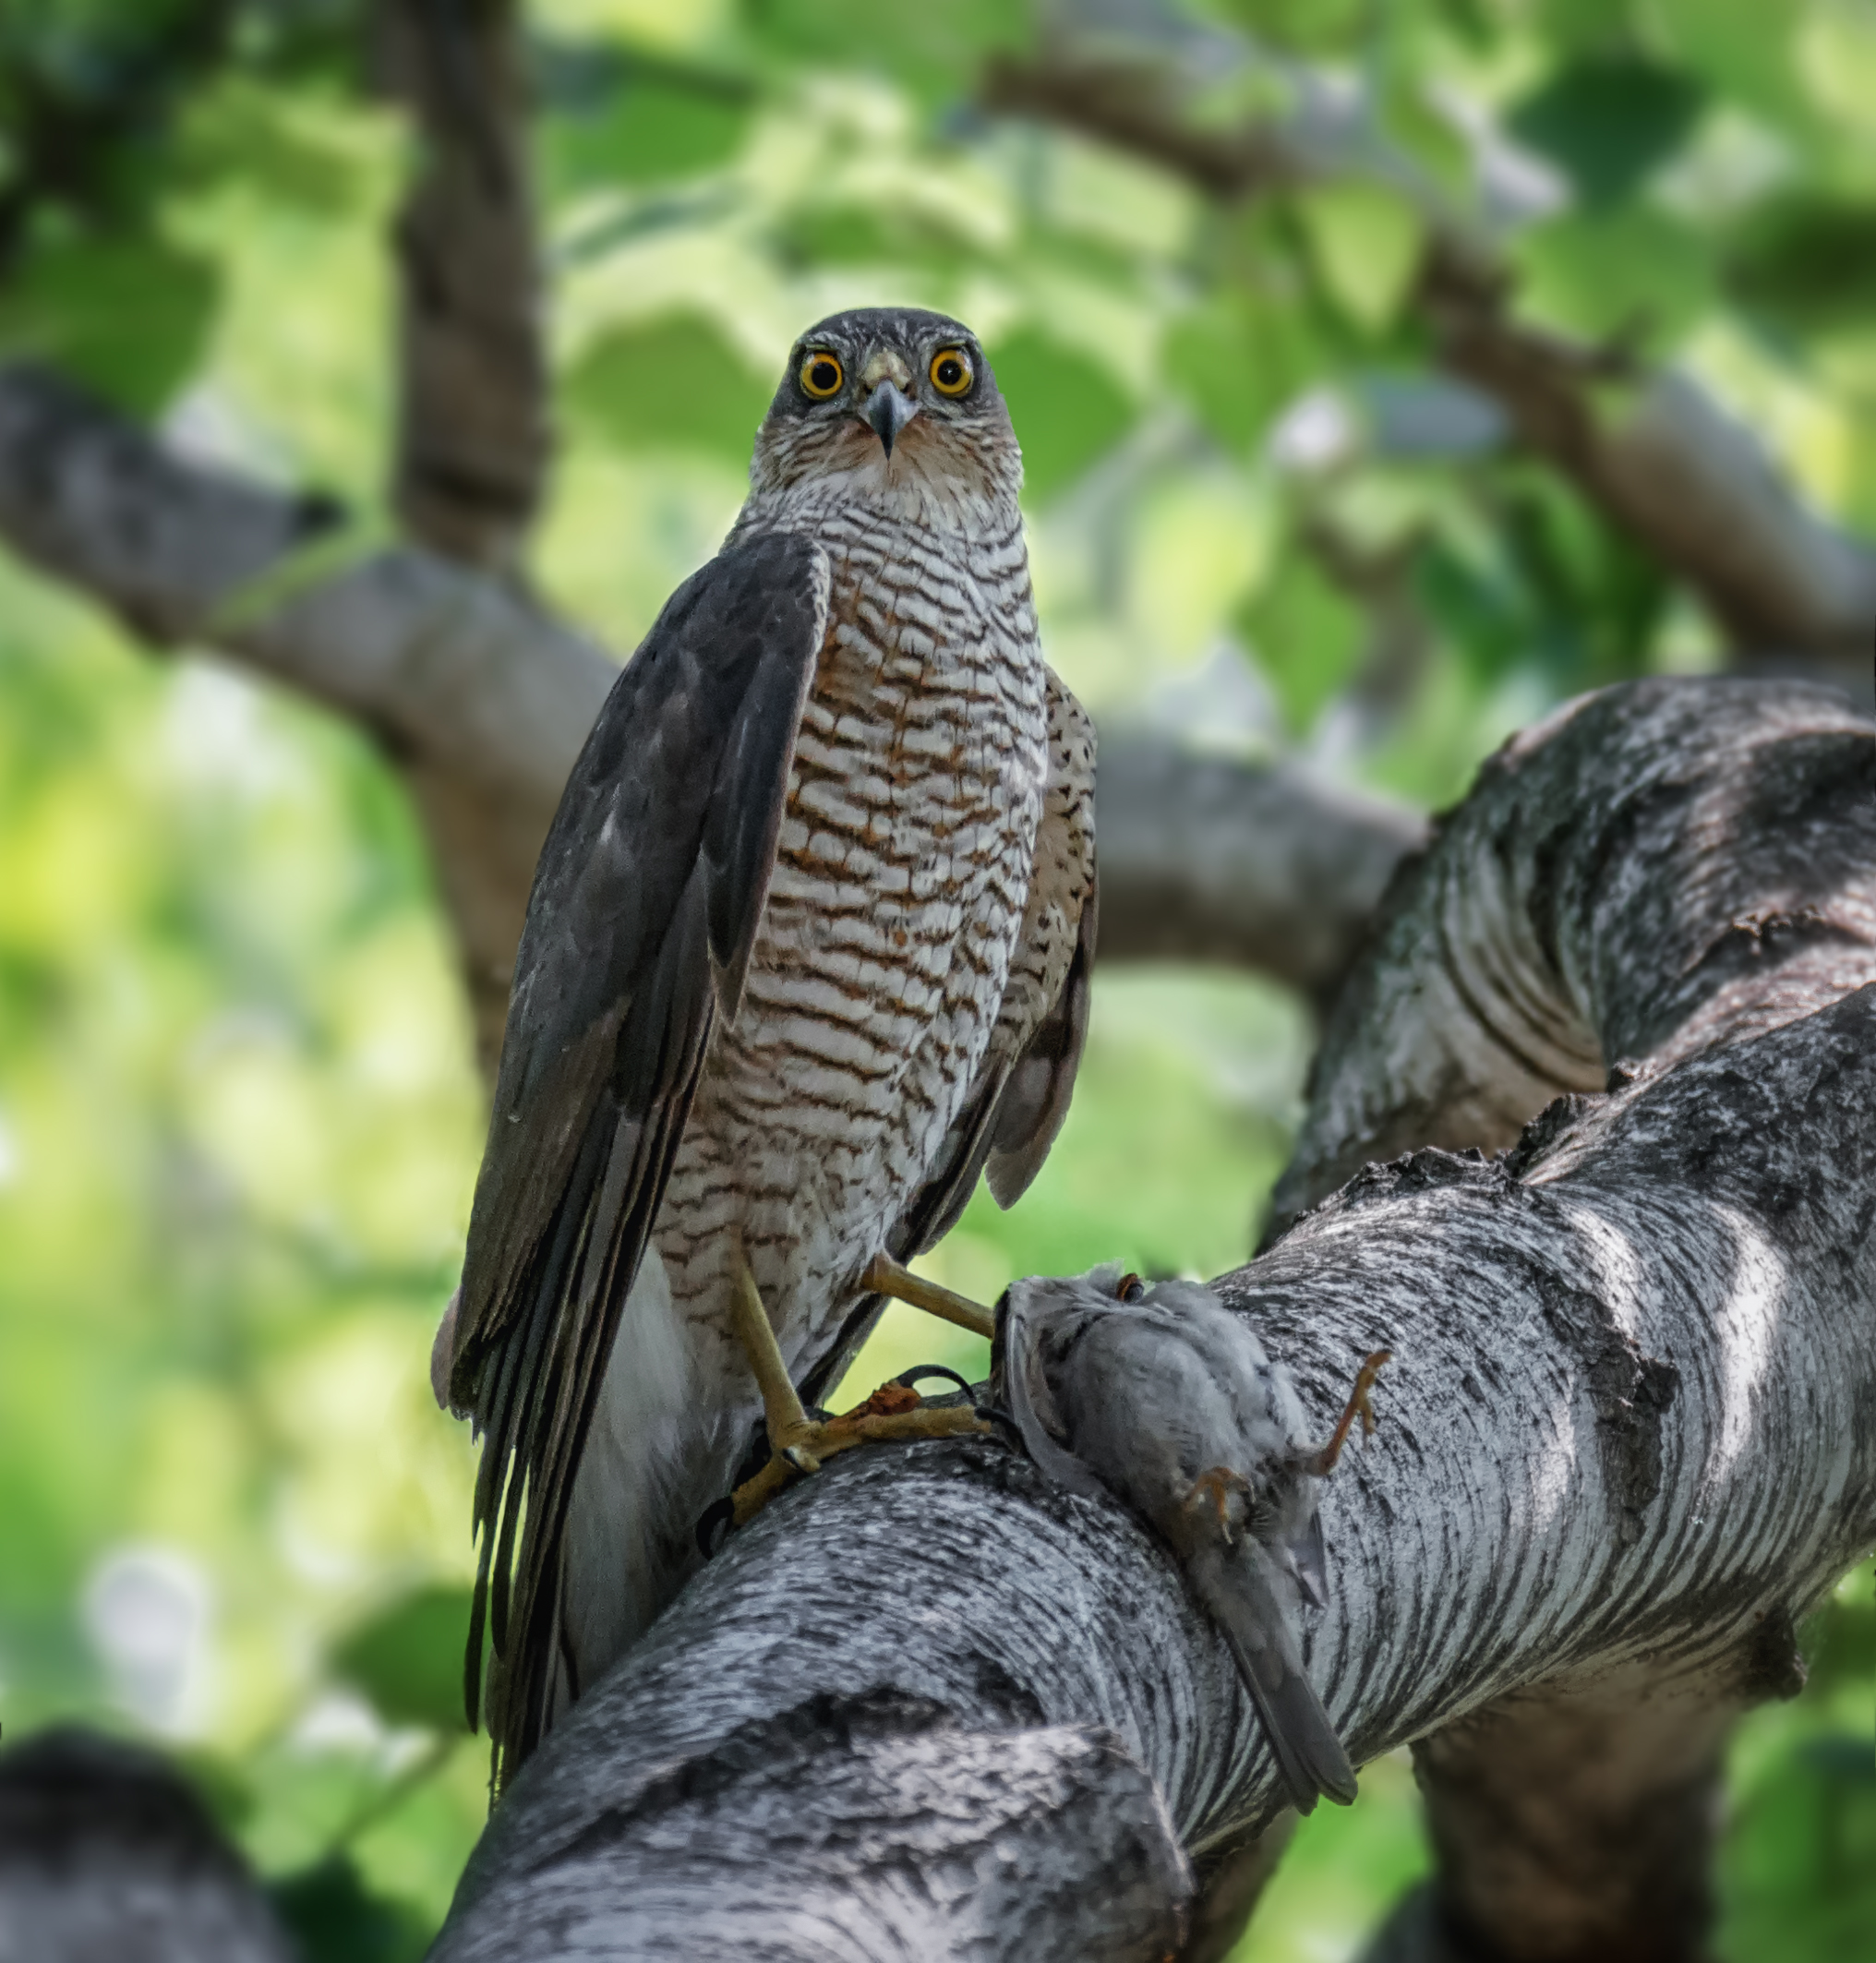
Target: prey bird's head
[{"x": 887, "y": 397}]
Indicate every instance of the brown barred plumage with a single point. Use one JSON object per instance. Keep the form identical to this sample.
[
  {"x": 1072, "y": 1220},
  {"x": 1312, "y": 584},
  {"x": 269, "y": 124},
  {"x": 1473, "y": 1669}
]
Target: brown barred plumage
[{"x": 913, "y": 989}]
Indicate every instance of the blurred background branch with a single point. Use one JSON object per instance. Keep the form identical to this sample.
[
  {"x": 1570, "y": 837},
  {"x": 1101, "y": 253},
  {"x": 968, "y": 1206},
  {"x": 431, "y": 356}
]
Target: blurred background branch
[{"x": 473, "y": 430}]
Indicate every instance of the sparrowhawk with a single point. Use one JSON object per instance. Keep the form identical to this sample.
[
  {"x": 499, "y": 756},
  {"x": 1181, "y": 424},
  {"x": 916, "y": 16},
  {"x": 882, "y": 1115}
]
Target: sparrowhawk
[{"x": 808, "y": 949}]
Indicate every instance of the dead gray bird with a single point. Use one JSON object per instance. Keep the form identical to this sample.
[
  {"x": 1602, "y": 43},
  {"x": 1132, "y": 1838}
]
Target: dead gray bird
[{"x": 1162, "y": 1397}]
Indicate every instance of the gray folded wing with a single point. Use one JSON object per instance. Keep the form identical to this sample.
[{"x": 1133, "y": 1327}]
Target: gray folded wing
[{"x": 639, "y": 927}]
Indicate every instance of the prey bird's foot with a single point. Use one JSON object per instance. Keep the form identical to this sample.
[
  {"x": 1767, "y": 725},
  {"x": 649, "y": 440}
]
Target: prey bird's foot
[
  {"x": 892, "y": 1412},
  {"x": 1217, "y": 1485},
  {"x": 884, "y": 1276},
  {"x": 1322, "y": 1462}
]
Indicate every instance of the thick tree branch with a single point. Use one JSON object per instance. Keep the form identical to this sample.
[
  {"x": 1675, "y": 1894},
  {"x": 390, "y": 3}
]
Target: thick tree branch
[
  {"x": 1732, "y": 832},
  {"x": 1649, "y": 448},
  {"x": 473, "y": 435},
  {"x": 1629, "y": 1436}
]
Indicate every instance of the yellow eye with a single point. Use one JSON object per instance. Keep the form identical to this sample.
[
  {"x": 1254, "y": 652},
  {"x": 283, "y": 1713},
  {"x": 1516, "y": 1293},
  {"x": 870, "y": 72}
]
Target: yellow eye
[
  {"x": 951, "y": 371},
  {"x": 821, "y": 375}
]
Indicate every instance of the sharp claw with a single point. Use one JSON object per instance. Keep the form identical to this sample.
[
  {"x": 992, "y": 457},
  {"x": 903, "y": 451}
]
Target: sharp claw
[
  {"x": 801, "y": 1457},
  {"x": 1358, "y": 1406}
]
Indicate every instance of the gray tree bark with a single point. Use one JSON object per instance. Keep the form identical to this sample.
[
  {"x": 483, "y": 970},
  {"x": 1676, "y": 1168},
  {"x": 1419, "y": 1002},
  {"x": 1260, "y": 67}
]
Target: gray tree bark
[{"x": 929, "y": 1706}]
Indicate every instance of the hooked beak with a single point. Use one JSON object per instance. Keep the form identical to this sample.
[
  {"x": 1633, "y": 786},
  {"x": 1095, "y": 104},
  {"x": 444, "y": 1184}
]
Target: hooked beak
[{"x": 886, "y": 413}]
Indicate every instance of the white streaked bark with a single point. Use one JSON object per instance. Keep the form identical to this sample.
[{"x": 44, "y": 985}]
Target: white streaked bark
[{"x": 927, "y": 1705}]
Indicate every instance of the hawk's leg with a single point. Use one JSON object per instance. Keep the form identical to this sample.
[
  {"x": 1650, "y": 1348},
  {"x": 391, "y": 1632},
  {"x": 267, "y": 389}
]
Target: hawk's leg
[
  {"x": 790, "y": 1429},
  {"x": 884, "y": 1276},
  {"x": 799, "y": 1442},
  {"x": 1322, "y": 1462}
]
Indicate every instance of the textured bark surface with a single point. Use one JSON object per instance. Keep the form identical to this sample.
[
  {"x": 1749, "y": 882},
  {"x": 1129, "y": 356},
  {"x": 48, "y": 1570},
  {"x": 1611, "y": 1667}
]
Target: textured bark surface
[
  {"x": 1649, "y": 871},
  {"x": 1629, "y": 1437}
]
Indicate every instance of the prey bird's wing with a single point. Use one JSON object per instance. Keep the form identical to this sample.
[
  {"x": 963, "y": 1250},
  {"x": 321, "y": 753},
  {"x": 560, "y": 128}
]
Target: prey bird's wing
[{"x": 644, "y": 909}]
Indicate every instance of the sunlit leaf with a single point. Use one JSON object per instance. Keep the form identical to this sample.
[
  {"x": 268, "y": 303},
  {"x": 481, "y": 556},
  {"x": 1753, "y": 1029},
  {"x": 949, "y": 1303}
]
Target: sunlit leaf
[
  {"x": 1237, "y": 363},
  {"x": 1306, "y": 636},
  {"x": 1633, "y": 272},
  {"x": 1366, "y": 242},
  {"x": 1744, "y": 47}
]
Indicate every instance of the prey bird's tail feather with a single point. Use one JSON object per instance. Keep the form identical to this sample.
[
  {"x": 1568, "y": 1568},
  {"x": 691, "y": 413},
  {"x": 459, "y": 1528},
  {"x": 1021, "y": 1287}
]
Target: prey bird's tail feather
[{"x": 1238, "y": 1585}]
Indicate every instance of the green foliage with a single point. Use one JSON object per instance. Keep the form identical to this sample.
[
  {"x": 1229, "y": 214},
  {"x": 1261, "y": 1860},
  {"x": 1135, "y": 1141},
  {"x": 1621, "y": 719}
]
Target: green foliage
[
  {"x": 1307, "y": 637},
  {"x": 1609, "y": 121},
  {"x": 238, "y": 1120},
  {"x": 127, "y": 318},
  {"x": 638, "y": 120},
  {"x": 1799, "y": 1879},
  {"x": 670, "y": 383},
  {"x": 1068, "y": 410},
  {"x": 333, "y": 1917},
  {"x": 934, "y": 51},
  {"x": 407, "y": 1658}
]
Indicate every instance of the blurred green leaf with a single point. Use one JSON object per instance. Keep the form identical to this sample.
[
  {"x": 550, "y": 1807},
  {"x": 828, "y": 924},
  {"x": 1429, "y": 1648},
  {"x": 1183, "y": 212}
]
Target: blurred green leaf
[
  {"x": 1609, "y": 122},
  {"x": 126, "y": 316},
  {"x": 1238, "y": 362},
  {"x": 670, "y": 383},
  {"x": 1742, "y": 47},
  {"x": 1307, "y": 638},
  {"x": 408, "y": 1659},
  {"x": 305, "y": 152},
  {"x": 1805, "y": 264},
  {"x": 1067, "y": 411},
  {"x": 934, "y": 51},
  {"x": 333, "y": 1916},
  {"x": 1586, "y": 25},
  {"x": 1307, "y": 26},
  {"x": 656, "y": 124},
  {"x": 1633, "y": 272},
  {"x": 1798, "y": 1881},
  {"x": 1365, "y": 241}
]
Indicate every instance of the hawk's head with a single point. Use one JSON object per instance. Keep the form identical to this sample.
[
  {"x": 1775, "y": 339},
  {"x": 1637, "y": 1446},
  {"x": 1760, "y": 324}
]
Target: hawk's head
[{"x": 885, "y": 394}]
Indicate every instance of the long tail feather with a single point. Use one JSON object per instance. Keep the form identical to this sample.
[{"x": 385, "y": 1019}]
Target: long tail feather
[{"x": 1239, "y": 1586}]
